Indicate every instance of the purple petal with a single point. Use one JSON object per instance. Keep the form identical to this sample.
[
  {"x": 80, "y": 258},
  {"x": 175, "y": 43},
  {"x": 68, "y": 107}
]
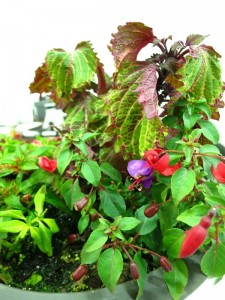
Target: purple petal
[
  {"x": 137, "y": 168},
  {"x": 147, "y": 182}
]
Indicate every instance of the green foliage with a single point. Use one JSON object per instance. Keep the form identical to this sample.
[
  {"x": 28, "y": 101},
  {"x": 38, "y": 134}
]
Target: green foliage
[{"x": 112, "y": 132}]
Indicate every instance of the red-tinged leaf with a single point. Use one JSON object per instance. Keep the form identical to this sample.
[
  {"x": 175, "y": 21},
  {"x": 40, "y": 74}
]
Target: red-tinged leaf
[
  {"x": 129, "y": 40},
  {"x": 201, "y": 74},
  {"x": 102, "y": 85},
  {"x": 147, "y": 92},
  {"x": 195, "y": 39},
  {"x": 42, "y": 81}
]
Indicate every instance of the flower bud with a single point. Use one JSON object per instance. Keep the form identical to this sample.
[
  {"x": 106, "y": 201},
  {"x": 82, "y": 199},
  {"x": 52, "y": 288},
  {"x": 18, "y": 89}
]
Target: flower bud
[
  {"x": 81, "y": 204},
  {"x": 165, "y": 264},
  {"x": 94, "y": 216},
  {"x": 79, "y": 272},
  {"x": 134, "y": 270},
  {"x": 151, "y": 210},
  {"x": 72, "y": 238}
]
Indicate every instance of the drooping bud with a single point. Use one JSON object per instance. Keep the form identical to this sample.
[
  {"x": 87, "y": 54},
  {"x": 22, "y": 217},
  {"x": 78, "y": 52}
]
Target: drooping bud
[
  {"x": 81, "y": 204},
  {"x": 165, "y": 264},
  {"x": 151, "y": 210},
  {"x": 95, "y": 216},
  {"x": 196, "y": 236},
  {"x": 73, "y": 238},
  {"x": 79, "y": 272},
  {"x": 134, "y": 270}
]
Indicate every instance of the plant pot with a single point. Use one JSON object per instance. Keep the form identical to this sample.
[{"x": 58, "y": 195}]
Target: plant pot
[{"x": 155, "y": 288}]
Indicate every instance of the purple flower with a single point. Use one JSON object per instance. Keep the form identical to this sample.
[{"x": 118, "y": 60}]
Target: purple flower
[{"x": 141, "y": 171}]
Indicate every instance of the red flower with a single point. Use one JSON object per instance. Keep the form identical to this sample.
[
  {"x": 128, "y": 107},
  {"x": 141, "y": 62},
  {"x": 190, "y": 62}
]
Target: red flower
[
  {"x": 196, "y": 236},
  {"x": 219, "y": 172},
  {"x": 47, "y": 164},
  {"x": 160, "y": 162}
]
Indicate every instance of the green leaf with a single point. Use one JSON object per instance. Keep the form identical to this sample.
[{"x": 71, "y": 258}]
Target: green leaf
[
  {"x": 190, "y": 120},
  {"x": 182, "y": 178},
  {"x": 112, "y": 203},
  {"x": 110, "y": 267},
  {"x": 167, "y": 216},
  {"x": 63, "y": 160},
  {"x": 209, "y": 130},
  {"x": 172, "y": 241},
  {"x": 201, "y": 74},
  {"x": 13, "y": 226},
  {"x": 82, "y": 146},
  {"x": 88, "y": 257},
  {"x": 51, "y": 224},
  {"x": 193, "y": 215},
  {"x": 72, "y": 70},
  {"x": 14, "y": 214},
  {"x": 42, "y": 237},
  {"x": 147, "y": 224},
  {"x": 83, "y": 223},
  {"x": 209, "y": 161},
  {"x": 109, "y": 170},
  {"x": 128, "y": 223},
  {"x": 176, "y": 280},
  {"x": 14, "y": 202},
  {"x": 142, "y": 268},
  {"x": 39, "y": 200},
  {"x": 215, "y": 200},
  {"x": 212, "y": 263},
  {"x": 91, "y": 172}
]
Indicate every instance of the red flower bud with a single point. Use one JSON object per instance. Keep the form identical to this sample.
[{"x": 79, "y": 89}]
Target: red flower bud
[
  {"x": 134, "y": 270},
  {"x": 47, "y": 164},
  {"x": 165, "y": 264},
  {"x": 81, "y": 204},
  {"x": 151, "y": 210},
  {"x": 95, "y": 216},
  {"x": 73, "y": 237},
  {"x": 79, "y": 272},
  {"x": 196, "y": 236}
]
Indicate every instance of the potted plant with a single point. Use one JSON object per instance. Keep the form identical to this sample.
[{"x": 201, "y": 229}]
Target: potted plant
[{"x": 135, "y": 181}]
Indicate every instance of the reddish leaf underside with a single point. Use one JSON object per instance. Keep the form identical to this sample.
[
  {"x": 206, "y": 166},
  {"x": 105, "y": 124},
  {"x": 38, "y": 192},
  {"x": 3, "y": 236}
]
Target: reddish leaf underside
[
  {"x": 147, "y": 92},
  {"x": 129, "y": 40}
]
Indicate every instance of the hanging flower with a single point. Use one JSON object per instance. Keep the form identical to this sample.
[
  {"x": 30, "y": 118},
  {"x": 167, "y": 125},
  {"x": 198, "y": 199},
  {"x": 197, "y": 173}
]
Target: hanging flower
[
  {"x": 219, "y": 172},
  {"x": 196, "y": 236},
  {"x": 143, "y": 170},
  {"x": 47, "y": 164}
]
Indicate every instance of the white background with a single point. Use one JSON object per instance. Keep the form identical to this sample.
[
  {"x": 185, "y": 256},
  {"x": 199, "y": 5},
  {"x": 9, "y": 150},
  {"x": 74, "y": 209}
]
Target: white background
[{"x": 28, "y": 29}]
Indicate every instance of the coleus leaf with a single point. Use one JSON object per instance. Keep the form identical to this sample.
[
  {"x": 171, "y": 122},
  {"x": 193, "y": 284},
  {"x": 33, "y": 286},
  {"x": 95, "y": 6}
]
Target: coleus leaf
[
  {"x": 129, "y": 40},
  {"x": 42, "y": 81},
  {"x": 201, "y": 74},
  {"x": 148, "y": 95},
  {"x": 135, "y": 133},
  {"x": 194, "y": 39},
  {"x": 72, "y": 70}
]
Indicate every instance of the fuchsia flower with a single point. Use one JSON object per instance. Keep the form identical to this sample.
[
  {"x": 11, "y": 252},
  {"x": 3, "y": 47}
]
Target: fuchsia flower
[
  {"x": 153, "y": 160},
  {"x": 47, "y": 164},
  {"x": 196, "y": 236},
  {"x": 219, "y": 172}
]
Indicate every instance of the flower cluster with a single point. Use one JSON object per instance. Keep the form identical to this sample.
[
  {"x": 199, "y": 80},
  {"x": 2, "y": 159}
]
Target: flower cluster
[{"x": 153, "y": 160}]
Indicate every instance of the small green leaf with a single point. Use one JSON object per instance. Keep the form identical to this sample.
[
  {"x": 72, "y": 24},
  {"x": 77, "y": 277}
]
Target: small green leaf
[
  {"x": 128, "y": 223},
  {"x": 13, "y": 226},
  {"x": 112, "y": 203},
  {"x": 190, "y": 120},
  {"x": 63, "y": 160},
  {"x": 147, "y": 224},
  {"x": 212, "y": 263},
  {"x": 193, "y": 215},
  {"x": 88, "y": 257},
  {"x": 109, "y": 170},
  {"x": 110, "y": 267},
  {"x": 176, "y": 280},
  {"x": 12, "y": 213},
  {"x": 51, "y": 224},
  {"x": 39, "y": 200},
  {"x": 91, "y": 172},
  {"x": 182, "y": 178},
  {"x": 83, "y": 223},
  {"x": 172, "y": 241},
  {"x": 167, "y": 215},
  {"x": 210, "y": 131}
]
